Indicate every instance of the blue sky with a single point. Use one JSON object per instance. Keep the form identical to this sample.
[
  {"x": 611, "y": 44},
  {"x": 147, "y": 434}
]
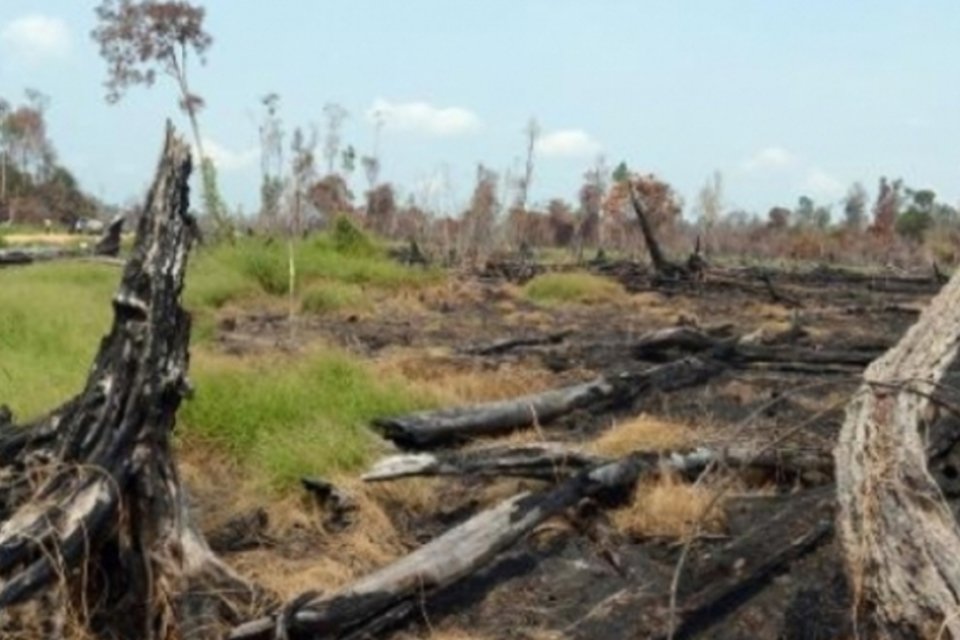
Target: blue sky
[{"x": 783, "y": 97}]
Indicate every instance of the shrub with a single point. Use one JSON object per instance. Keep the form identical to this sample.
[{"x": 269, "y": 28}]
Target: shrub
[{"x": 350, "y": 240}]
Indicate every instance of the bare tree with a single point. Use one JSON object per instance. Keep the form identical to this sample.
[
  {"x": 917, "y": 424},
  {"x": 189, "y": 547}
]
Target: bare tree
[
  {"x": 141, "y": 39},
  {"x": 887, "y": 207},
  {"x": 334, "y": 116},
  {"x": 855, "y": 207},
  {"x": 710, "y": 204},
  {"x": 532, "y": 133},
  {"x": 480, "y": 219},
  {"x": 371, "y": 163},
  {"x": 271, "y": 158},
  {"x": 303, "y": 172}
]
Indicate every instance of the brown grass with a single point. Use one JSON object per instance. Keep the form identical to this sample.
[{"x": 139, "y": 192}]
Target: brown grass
[
  {"x": 455, "y": 380},
  {"x": 643, "y": 433},
  {"x": 308, "y": 556},
  {"x": 668, "y": 507}
]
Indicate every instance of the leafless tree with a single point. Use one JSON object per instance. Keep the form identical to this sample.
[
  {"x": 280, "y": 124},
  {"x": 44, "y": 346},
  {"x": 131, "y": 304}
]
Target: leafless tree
[
  {"x": 371, "y": 163},
  {"x": 532, "y": 133},
  {"x": 334, "y": 115},
  {"x": 141, "y": 39},
  {"x": 710, "y": 204},
  {"x": 271, "y": 158}
]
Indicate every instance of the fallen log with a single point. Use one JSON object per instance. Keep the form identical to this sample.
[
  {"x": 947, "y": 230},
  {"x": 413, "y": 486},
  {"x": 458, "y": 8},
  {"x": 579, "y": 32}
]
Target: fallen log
[
  {"x": 554, "y": 461},
  {"x": 660, "y": 345},
  {"x": 508, "y": 344},
  {"x": 395, "y": 591},
  {"x": 433, "y": 428},
  {"x": 546, "y": 461}
]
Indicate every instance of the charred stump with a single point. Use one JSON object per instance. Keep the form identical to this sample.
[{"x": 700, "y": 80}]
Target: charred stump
[{"x": 93, "y": 513}]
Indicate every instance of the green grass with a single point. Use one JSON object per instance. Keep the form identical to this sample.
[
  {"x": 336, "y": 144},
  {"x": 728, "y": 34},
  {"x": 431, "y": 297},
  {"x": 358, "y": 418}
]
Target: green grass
[
  {"x": 52, "y": 317},
  {"x": 253, "y": 266},
  {"x": 290, "y": 417},
  {"x": 573, "y": 287},
  {"x": 283, "y": 417}
]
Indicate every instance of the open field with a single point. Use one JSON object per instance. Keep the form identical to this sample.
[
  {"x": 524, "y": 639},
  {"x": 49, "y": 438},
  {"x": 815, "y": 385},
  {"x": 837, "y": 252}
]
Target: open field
[{"x": 286, "y": 387}]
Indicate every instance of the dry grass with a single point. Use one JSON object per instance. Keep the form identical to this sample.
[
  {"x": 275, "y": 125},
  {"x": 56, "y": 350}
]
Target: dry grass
[
  {"x": 455, "y": 380},
  {"x": 658, "y": 309},
  {"x": 311, "y": 557},
  {"x": 308, "y": 555},
  {"x": 643, "y": 433},
  {"x": 444, "y": 633},
  {"x": 51, "y": 239},
  {"x": 416, "y": 496},
  {"x": 668, "y": 507}
]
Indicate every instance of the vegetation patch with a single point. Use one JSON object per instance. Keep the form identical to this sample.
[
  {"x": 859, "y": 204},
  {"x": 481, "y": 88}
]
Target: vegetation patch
[
  {"x": 643, "y": 433},
  {"x": 330, "y": 296},
  {"x": 668, "y": 507},
  {"x": 52, "y": 317},
  {"x": 574, "y": 287},
  {"x": 291, "y": 417}
]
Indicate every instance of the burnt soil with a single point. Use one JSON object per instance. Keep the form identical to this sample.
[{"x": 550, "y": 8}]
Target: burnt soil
[{"x": 775, "y": 570}]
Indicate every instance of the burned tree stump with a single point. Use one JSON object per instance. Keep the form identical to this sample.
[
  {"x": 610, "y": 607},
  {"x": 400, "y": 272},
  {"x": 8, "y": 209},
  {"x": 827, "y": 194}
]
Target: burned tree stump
[
  {"x": 109, "y": 243},
  {"x": 91, "y": 505}
]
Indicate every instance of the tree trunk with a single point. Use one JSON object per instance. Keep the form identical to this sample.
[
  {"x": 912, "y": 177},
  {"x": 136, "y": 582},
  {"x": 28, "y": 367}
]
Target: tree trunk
[
  {"x": 901, "y": 539},
  {"x": 660, "y": 263},
  {"x": 103, "y": 518}
]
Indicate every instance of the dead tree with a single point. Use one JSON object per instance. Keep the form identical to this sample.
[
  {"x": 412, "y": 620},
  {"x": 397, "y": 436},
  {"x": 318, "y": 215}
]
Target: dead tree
[
  {"x": 91, "y": 505},
  {"x": 109, "y": 243},
  {"x": 900, "y": 538}
]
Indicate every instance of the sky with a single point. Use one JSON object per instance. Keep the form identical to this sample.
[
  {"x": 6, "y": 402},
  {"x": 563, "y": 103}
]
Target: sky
[{"x": 783, "y": 97}]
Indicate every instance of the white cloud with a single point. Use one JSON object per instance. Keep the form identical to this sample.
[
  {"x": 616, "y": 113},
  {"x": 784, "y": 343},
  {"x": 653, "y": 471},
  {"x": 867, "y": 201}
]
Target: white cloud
[
  {"x": 821, "y": 183},
  {"x": 567, "y": 143},
  {"x": 228, "y": 160},
  {"x": 423, "y": 117},
  {"x": 769, "y": 158},
  {"x": 36, "y": 36}
]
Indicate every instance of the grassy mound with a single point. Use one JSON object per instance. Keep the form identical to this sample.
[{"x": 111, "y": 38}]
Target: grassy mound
[
  {"x": 574, "y": 287},
  {"x": 290, "y": 417}
]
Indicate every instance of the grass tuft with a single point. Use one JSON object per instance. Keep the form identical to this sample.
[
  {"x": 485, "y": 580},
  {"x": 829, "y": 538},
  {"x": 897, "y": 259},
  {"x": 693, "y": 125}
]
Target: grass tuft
[
  {"x": 332, "y": 296},
  {"x": 573, "y": 287}
]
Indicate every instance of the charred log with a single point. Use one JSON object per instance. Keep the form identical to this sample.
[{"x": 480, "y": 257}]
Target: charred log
[
  {"x": 433, "y": 428},
  {"x": 552, "y": 461},
  {"x": 391, "y": 594}
]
